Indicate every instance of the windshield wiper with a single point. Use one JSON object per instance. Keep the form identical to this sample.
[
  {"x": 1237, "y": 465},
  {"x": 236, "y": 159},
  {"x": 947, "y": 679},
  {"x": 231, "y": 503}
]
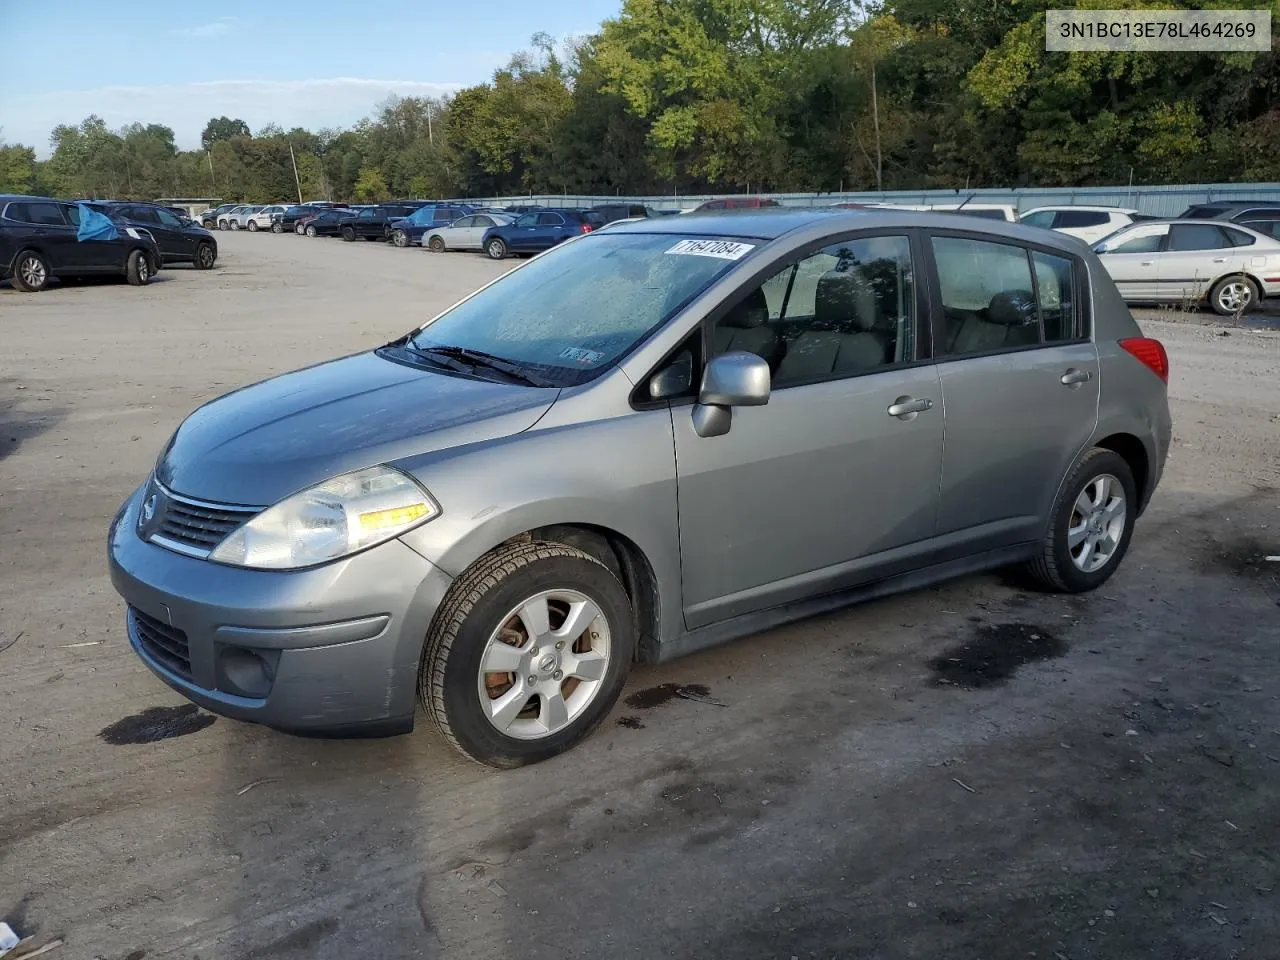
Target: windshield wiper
[{"x": 448, "y": 356}]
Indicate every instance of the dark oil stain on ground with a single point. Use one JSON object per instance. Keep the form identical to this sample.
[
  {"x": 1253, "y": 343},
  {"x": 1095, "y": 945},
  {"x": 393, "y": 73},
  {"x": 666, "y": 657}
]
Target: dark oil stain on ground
[
  {"x": 157, "y": 723},
  {"x": 1243, "y": 558},
  {"x": 631, "y": 723},
  {"x": 657, "y": 696},
  {"x": 993, "y": 654},
  {"x": 302, "y": 940}
]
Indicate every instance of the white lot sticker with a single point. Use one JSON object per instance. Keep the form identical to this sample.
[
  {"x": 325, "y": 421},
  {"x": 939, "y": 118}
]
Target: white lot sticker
[
  {"x": 579, "y": 355},
  {"x": 720, "y": 249}
]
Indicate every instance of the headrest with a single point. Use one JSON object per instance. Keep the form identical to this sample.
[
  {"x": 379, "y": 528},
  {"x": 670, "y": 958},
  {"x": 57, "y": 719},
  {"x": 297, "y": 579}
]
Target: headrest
[
  {"x": 844, "y": 301},
  {"x": 1013, "y": 308},
  {"x": 752, "y": 312}
]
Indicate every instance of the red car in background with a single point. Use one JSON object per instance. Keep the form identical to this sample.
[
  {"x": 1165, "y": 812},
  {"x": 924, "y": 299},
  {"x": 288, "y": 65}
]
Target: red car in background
[{"x": 735, "y": 203}]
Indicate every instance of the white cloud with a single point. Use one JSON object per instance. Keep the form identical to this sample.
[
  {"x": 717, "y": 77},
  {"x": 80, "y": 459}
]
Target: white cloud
[
  {"x": 332, "y": 102},
  {"x": 215, "y": 28}
]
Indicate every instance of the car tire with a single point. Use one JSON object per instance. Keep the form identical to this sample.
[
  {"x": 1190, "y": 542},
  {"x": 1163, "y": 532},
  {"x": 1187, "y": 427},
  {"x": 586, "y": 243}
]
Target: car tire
[
  {"x": 496, "y": 249},
  {"x": 277, "y": 227},
  {"x": 299, "y": 229},
  {"x": 253, "y": 226},
  {"x": 30, "y": 272},
  {"x": 137, "y": 269},
  {"x": 480, "y": 618},
  {"x": 224, "y": 225},
  {"x": 1096, "y": 506},
  {"x": 348, "y": 234},
  {"x": 1233, "y": 295},
  {"x": 204, "y": 256},
  {"x": 399, "y": 238},
  {"x": 311, "y": 231},
  {"x": 436, "y": 245},
  {"x": 235, "y": 224}
]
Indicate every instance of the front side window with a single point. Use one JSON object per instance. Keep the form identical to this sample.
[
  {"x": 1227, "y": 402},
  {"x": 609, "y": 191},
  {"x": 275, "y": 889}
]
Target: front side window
[
  {"x": 368, "y": 214},
  {"x": 572, "y": 313},
  {"x": 988, "y": 298},
  {"x": 528, "y": 220},
  {"x": 167, "y": 219},
  {"x": 1041, "y": 218},
  {"x": 1195, "y": 236},
  {"x": 845, "y": 310},
  {"x": 1143, "y": 243}
]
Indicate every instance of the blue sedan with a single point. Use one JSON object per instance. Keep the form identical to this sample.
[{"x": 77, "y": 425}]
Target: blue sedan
[{"x": 538, "y": 230}]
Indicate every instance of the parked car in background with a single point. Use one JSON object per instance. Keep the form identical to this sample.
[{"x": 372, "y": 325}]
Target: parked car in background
[
  {"x": 418, "y": 535},
  {"x": 39, "y": 240},
  {"x": 1224, "y": 209},
  {"x": 209, "y": 218},
  {"x": 1090, "y": 224},
  {"x": 465, "y": 233},
  {"x": 238, "y": 218},
  {"x": 610, "y": 212},
  {"x": 180, "y": 240},
  {"x": 1260, "y": 216},
  {"x": 327, "y": 223},
  {"x": 734, "y": 203},
  {"x": 409, "y": 231},
  {"x": 289, "y": 219},
  {"x": 261, "y": 218},
  {"x": 1161, "y": 261},
  {"x": 988, "y": 211},
  {"x": 370, "y": 223},
  {"x": 538, "y": 230}
]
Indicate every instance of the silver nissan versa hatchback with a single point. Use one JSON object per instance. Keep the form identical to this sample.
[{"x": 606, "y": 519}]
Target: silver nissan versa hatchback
[{"x": 642, "y": 442}]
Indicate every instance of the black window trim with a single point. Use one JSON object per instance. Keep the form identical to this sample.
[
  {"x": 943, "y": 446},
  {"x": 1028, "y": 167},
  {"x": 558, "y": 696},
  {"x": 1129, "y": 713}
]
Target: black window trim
[
  {"x": 66, "y": 222},
  {"x": 1079, "y": 284},
  {"x": 768, "y": 268},
  {"x": 1168, "y": 235}
]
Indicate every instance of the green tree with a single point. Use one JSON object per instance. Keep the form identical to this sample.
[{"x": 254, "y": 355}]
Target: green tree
[
  {"x": 371, "y": 185},
  {"x": 222, "y": 128}
]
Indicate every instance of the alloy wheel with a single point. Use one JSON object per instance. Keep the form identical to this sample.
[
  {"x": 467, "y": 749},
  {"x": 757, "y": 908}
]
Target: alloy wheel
[
  {"x": 1097, "y": 523},
  {"x": 1234, "y": 296},
  {"x": 33, "y": 272},
  {"x": 544, "y": 664}
]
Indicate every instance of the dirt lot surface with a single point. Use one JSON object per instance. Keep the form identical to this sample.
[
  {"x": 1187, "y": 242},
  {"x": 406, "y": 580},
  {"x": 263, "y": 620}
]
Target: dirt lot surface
[{"x": 974, "y": 771}]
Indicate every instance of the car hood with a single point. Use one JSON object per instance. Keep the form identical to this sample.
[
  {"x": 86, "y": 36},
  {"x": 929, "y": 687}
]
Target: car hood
[{"x": 261, "y": 443}]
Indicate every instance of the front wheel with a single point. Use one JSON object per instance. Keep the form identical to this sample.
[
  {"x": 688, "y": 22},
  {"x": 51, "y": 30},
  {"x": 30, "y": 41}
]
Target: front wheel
[
  {"x": 436, "y": 245},
  {"x": 1233, "y": 295},
  {"x": 497, "y": 249},
  {"x": 224, "y": 225},
  {"x": 30, "y": 272},
  {"x": 399, "y": 238},
  {"x": 253, "y": 226},
  {"x": 311, "y": 231},
  {"x": 235, "y": 224},
  {"x": 527, "y": 654},
  {"x": 277, "y": 227},
  {"x": 348, "y": 234},
  {"x": 1091, "y": 525},
  {"x": 205, "y": 256},
  {"x": 138, "y": 270}
]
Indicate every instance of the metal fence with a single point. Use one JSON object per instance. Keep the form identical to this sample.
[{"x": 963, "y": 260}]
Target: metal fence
[{"x": 1162, "y": 201}]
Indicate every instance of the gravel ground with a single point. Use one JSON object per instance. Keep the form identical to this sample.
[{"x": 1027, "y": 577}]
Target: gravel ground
[{"x": 916, "y": 777}]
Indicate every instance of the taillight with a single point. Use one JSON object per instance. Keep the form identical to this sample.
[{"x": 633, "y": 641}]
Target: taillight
[
  {"x": 586, "y": 228},
  {"x": 1151, "y": 353}
]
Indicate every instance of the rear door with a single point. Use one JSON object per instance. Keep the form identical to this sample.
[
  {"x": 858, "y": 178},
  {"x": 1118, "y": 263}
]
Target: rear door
[
  {"x": 1019, "y": 383},
  {"x": 549, "y": 231},
  {"x": 1197, "y": 254},
  {"x": 1131, "y": 261},
  {"x": 53, "y": 232},
  {"x": 830, "y": 483},
  {"x": 465, "y": 232},
  {"x": 168, "y": 232}
]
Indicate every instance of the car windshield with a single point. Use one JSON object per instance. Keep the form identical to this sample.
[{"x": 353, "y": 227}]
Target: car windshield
[
  {"x": 422, "y": 217},
  {"x": 573, "y": 312}
]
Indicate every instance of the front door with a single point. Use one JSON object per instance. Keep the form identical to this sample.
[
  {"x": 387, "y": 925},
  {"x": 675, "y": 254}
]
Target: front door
[
  {"x": 809, "y": 493},
  {"x": 1131, "y": 261},
  {"x": 1019, "y": 385}
]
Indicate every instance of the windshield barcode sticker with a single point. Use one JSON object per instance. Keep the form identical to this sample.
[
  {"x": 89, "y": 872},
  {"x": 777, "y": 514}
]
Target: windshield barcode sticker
[
  {"x": 580, "y": 355},
  {"x": 720, "y": 249}
]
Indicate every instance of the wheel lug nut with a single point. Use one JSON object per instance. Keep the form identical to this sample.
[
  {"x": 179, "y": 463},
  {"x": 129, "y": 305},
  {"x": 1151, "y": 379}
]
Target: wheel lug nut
[
  {"x": 533, "y": 679},
  {"x": 558, "y": 674}
]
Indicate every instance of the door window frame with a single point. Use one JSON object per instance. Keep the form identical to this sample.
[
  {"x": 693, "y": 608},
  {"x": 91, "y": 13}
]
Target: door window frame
[{"x": 1080, "y": 289}]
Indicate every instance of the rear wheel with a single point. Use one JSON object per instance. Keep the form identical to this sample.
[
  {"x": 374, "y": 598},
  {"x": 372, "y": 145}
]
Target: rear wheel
[
  {"x": 399, "y": 238},
  {"x": 224, "y": 225},
  {"x": 253, "y": 226},
  {"x": 527, "y": 654},
  {"x": 348, "y": 234},
  {"x": 299, "y": 229},
  {"x": 235, "y": 224},
  {"x": 277, "y": 227},
  {"x": 1091, "y": 525},
  {"x": 1233, "y": 295},
  {"x": 138, "y": 270},
  {"x": 436, "y": 244},
  {"x": 30, "y": 272},
  {"x": 496, "y": 249},
  {"x": 205, "y": 256}
]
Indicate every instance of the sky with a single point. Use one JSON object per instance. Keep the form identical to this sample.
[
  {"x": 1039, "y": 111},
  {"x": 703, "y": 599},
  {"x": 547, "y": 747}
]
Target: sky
[{"x": 313, "y": 64}]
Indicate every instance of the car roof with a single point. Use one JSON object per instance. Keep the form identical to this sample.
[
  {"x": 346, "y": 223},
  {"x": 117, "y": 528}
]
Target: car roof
[
  {"x": 770, "y": 223},
  {"x": 1099, "y": 208}
]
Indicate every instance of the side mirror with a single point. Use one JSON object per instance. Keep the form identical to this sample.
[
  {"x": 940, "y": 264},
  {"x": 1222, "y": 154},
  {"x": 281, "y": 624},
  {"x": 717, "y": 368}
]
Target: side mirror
[
  {"x": 736, "y": 379},
  {"x": 674, "y": 379}
]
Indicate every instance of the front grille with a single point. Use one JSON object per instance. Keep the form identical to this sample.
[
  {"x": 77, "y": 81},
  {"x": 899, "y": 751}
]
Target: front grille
[
  {"x": 164, "y": 644},
  {"x": 196, "y": 524}
]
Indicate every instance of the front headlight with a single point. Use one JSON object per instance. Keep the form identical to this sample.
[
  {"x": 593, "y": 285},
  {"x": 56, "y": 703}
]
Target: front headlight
[{"x": 328, "y": 521}]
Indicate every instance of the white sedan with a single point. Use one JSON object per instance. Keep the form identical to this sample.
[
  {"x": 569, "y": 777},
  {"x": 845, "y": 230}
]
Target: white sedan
[
  {"x": 465, "y": 233},
  {"x": 1160, "y": 261}
]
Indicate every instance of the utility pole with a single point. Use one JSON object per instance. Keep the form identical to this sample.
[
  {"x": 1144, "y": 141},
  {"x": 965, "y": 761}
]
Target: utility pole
[
  {"x": 430, "y": 137},
  {"x": 296, "y": 181},
  {"x": 212, "y": 182}
]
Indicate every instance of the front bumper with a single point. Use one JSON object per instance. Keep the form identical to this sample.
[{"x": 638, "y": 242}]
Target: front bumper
[{"x": 328, "y": 651}]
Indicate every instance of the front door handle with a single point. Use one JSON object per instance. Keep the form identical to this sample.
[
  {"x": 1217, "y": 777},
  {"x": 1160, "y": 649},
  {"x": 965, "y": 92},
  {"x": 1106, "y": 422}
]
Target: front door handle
[
  {"x": 1220, "y": 260},
  {"x": 906, "y": 408},
  {"x": 1147, "y": 263},
  {"x": 1074, "y": 377}
]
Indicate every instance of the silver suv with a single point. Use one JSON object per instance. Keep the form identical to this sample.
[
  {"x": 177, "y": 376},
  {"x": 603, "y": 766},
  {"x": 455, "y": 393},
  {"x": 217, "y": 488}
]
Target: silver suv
[{"x": 643, "y": 442}]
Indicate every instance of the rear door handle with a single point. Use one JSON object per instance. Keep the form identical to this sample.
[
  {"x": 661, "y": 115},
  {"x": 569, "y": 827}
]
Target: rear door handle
[
  {"x": 906, "y": 408},
  {"x": 1147, "y": 263},
  {"x": 1220, "y": 260},
  {"x": 1074, "y": 377}
]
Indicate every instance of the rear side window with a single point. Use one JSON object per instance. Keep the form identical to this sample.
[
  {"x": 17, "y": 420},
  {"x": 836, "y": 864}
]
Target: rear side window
[
  {"x": 550, "y": 219},
  {"x": 37, "y": 212},
  {"x": 1081, "y": 218},
  {"x": 1196, "y": 236},
  {"x": 1055, "y": 296},
  {"x": 988, "y": 299},
  {"x": 1238, "y": 238},
  {"x": 1270, "y": 227}
]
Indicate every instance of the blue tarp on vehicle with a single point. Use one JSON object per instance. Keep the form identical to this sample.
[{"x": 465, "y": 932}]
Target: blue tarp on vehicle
[{"x": 95, "y": 226}]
